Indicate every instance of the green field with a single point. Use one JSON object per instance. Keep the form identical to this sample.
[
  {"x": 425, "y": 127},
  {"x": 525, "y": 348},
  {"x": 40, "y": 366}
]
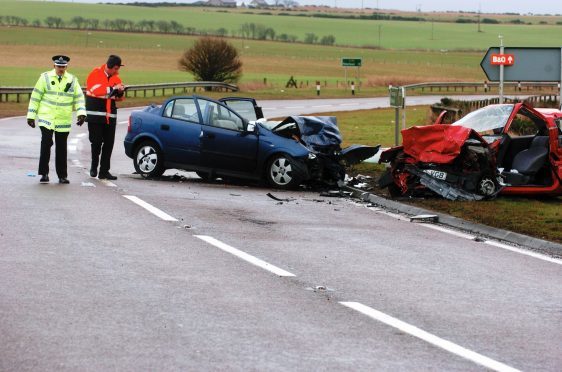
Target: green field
[
  {"x": 393, "y": 35},
  {"x": 152, "y": 58}
]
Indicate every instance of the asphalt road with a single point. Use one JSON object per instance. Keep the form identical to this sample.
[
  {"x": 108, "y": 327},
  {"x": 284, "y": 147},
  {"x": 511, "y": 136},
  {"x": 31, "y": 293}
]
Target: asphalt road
[{"x": 180, "y": 274}]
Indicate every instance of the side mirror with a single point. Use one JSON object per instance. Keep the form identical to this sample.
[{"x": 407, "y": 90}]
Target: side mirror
[{"x": 251, "y": 126}]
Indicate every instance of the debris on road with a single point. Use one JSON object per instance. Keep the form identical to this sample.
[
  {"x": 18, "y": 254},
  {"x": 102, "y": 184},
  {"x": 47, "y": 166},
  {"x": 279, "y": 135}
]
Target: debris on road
[
  {"x": 279, "y": 199},
  {"x": 424, "y": 218},
  {"x": 336, "y": 194}
]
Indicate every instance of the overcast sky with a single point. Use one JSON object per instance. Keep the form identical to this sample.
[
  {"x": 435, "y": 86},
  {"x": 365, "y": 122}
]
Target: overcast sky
[{"x": 485, "y": 6}]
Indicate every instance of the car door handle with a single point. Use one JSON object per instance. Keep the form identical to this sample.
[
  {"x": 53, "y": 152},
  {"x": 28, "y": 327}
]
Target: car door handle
[
  {"x": 209, "y": 135},
  {"x": 165, "y": 127}
]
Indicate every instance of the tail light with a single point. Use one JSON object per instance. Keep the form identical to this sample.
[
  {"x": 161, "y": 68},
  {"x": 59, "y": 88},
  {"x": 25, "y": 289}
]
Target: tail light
[{"x": 129, "y": 125}]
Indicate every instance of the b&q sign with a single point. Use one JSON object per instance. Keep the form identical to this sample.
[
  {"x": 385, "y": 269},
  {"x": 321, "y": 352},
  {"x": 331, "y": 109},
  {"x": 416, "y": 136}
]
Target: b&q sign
[{"x": 502, "y": 59}]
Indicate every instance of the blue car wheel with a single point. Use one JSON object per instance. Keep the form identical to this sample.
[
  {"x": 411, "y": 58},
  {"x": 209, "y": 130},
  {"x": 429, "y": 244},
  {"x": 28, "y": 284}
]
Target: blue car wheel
[
  {"x": 282, "y": 173},
  {"x": 148, "y": 160}
]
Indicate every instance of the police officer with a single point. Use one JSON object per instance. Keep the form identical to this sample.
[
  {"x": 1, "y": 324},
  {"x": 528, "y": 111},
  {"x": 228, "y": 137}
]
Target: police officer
[
  {"x": 56, "y": 94},
  {"x": 104, "y": 88}
]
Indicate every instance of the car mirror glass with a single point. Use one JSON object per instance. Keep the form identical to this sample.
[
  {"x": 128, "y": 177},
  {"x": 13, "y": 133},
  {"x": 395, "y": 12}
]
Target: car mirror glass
[{"x": 250, "y": 126}]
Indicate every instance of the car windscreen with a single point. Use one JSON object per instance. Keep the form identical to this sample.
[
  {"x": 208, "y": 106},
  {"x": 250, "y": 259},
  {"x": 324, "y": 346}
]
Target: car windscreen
[{"x": 487, "y": 118}]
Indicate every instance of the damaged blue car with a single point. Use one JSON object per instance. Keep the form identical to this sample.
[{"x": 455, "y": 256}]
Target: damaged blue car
[{"x": 230, "y": 138}]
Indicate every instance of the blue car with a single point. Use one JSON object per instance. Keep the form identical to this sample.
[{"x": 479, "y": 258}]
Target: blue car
[{"x": 230, "y": 138}]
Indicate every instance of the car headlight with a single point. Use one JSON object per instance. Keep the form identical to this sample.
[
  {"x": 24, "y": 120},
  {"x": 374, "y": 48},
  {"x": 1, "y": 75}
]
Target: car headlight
[{"x": 311, "y": 156}]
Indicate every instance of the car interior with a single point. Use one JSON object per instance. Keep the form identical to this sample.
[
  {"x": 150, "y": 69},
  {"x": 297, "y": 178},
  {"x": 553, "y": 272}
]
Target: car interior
[
  {"x": 524, "y": 150},
  {"x": 222, "y": 118}
]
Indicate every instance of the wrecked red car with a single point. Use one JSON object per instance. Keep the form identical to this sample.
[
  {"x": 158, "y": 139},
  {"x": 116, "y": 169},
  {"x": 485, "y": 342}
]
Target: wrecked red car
[{"x": 499, "y": 149}]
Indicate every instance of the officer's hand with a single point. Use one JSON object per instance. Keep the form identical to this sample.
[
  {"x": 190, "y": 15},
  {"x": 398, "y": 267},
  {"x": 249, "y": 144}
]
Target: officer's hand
[
  {"x": 31, "y": 123},
  {"x": 81, "y": 119},
  {"x": 119, "y": 87}
]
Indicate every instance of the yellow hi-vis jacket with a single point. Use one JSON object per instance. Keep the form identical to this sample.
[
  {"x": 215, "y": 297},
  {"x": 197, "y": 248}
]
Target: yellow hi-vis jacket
[{"x": 52, "y": 102}]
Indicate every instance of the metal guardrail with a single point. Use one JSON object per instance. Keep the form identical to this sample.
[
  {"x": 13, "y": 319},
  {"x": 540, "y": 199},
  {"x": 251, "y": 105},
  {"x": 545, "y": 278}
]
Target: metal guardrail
[
  {"x": 485, "y": 86},
  {"x": 132, "y": 90}
]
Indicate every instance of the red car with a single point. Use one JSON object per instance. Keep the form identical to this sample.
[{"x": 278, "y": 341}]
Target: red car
[{"x": 507, "y": 148}]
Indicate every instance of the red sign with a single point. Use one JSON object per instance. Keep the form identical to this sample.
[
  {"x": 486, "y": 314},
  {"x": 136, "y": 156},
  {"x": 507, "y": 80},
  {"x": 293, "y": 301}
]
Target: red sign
[{"x": 502, "y": 59}]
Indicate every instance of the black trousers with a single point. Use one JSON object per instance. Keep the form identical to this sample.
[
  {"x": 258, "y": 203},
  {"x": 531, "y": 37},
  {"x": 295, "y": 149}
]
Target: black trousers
[
  {"x": 60, "y": 152},
  {"x": 102, "y": 137}
]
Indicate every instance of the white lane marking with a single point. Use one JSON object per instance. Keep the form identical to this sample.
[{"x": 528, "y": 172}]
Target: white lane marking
[
  {"x": 294, "y": 107},
  {"x": 350, "y": 104},
  {"x": 123, "y": 122},
  {"x": 243, "y": 255},
  {"x": 322, "y": 106},
  {"x": 81, "y": 135},
  {"x": 525, "y": 252},
  {"x": 108, "y": 183},
  {"x": 448, "y": 231},
  {"x": 428, "y": 337},
  {"x": 150, "y": 208}
]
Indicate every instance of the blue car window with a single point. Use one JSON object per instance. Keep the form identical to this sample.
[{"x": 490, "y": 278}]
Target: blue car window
[
  {"x": 219, "y": 116},
  {"x": 185, "y": 109},
  {"x": 244, "y": 108},
  {"x": 168, "y": 109}
]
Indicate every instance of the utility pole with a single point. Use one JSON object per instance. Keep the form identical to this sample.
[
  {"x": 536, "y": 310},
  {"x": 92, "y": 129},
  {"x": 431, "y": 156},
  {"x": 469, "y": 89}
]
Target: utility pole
[
  {"x": 479, "y": 11},
  {"x": 432, "y": 29},
  {"x": 501, "y": 70}
]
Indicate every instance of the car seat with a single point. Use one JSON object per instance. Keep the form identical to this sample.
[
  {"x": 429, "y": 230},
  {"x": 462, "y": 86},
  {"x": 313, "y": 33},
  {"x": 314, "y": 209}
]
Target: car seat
[
  {"x": 179, "y": 112},
  {"x": 528, "y": 162}
]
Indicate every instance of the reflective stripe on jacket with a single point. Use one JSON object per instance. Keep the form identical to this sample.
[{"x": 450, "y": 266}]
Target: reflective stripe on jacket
[
  {"x": 100, "y": 103},
  {"x": 52, "y": 101}
]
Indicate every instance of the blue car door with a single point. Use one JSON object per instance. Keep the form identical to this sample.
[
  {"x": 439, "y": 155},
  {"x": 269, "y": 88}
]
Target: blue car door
[
  {"x": 224, "y": 142},
  {"x": 179, "y": 131}
]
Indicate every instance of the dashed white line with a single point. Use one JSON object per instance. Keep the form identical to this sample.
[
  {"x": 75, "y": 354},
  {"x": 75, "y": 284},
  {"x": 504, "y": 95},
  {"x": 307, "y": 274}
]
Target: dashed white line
[
  {"x": 428, "y": 337},
  {"x": 152, "y": 209},
  {"x": 318, "y": 106},
  {"x": 123, "y": 122},
  {"x": 245, "y": 256},
  {"x": 294, "y": 107}
]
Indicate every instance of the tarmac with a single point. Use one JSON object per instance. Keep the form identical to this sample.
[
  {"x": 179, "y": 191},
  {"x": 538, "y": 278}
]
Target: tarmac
[{"x": 481, "y": 231}]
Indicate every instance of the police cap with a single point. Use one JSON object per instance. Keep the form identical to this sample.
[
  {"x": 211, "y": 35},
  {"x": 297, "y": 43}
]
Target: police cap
[{"x": 61, "y": 60}]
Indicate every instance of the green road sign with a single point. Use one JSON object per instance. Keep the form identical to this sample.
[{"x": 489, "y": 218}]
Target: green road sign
[{"x": 351, "y": 62}]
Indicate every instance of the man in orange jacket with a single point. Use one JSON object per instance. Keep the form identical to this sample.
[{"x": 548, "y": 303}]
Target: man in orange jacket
[{"x": 103, "y": 89}]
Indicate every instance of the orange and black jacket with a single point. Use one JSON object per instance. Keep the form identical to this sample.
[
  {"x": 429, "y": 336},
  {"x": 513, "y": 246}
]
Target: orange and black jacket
[{"x": 101, "y": 97}]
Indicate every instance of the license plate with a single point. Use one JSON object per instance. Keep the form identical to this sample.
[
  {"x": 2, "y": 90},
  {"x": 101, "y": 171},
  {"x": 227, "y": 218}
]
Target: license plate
[{"x": 436, "y": 174}]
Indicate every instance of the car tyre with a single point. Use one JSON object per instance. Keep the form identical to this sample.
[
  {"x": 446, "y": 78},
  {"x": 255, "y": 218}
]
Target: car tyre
[
  {"x": 488, "y": 186},
  {"x": 281, "y": 172},
  {"x": 148, "y": 160}
]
